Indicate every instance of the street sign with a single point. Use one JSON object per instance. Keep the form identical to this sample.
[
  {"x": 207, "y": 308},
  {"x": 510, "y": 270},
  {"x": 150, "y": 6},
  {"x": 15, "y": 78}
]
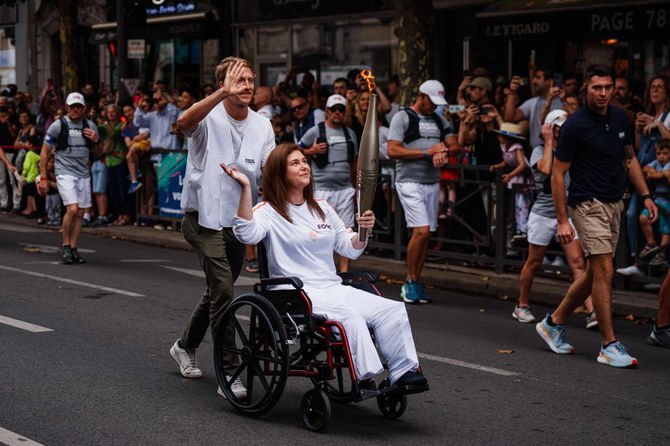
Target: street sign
[
  {"x": 131, "y": 85},
  {"x": 136, "y": 49}
]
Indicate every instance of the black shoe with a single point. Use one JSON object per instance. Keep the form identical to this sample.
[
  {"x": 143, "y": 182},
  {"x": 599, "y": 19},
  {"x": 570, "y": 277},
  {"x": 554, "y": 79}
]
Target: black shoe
[
  {"x": 75, "y": 257},
  {"x": 367, "y": 384},
  {"x": 68, "y": 258},
  {"x": 411, "y": 378}
]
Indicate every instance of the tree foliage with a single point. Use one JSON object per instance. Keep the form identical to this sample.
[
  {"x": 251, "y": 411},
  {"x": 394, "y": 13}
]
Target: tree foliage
[{"x": 414, "y": 28}]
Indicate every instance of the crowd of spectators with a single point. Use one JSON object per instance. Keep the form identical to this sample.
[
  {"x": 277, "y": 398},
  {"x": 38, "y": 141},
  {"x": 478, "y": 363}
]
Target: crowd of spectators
[{"x": 133, "y": 136}]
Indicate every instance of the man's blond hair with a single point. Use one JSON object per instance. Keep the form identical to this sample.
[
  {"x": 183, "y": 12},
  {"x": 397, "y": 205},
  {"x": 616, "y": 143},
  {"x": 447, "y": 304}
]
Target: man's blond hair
[{"x": 222, "y": 67}]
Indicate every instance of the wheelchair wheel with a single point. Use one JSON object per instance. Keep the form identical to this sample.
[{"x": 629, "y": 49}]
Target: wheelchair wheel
[
  {"x": 390, "y": 405},
  {"x": 315, "y": 408},
  {"x": 255, "y": 340}
]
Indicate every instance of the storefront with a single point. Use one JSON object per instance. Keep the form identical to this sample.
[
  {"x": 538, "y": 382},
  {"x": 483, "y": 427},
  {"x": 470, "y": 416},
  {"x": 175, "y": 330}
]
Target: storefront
[
  {"x": 183, "y": 44},
  {"x": 325, "y": 37},
  {"x": 569, "y": 35}
]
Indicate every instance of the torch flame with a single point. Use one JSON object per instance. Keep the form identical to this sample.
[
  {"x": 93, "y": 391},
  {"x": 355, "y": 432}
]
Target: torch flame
[{"x": 370, "y": 79}]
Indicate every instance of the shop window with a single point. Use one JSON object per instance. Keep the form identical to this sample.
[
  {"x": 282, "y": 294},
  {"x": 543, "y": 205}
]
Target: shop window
[{"x": 7, "y": 57}]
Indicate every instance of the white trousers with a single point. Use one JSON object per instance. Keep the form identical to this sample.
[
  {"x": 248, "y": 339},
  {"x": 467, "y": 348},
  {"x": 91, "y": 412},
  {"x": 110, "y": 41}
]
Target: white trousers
[{"x": 358, "y": 311}]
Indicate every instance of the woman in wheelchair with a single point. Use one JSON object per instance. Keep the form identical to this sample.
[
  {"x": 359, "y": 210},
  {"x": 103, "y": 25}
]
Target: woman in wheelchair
[{"x": 300, "y": 234}]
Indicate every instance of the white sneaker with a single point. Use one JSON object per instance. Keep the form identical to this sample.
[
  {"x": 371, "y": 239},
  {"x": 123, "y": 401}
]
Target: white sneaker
[
  {"x": 632, "y": 270},
  {"x": 237, "y": 387},
  {"x": 592, "y": 321},
  {"x": 523, "y": 314},
  {"x": 188, "y": 365}
]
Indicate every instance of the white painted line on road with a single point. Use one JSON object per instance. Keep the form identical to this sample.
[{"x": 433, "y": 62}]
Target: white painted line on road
[
  {"x": 13, "y": 228},
  {"x": 191, "y": 272},
  {"x": 145, "y": 261},
  {"x": 468, "y": 365},
  {"x": 73, "y": 282},
  {"x": 241, "y": 280},
  {"x": 53, "y": 248},
  {"x": 23, "y": 325},
  {"x": 42, "y": 263},
  {"x": 12, "y": 439}
]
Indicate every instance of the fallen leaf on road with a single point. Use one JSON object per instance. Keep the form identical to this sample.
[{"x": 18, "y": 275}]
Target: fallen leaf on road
[
  {"x": 630, "y": 317},
  {"x": 505, "y": 351},
  {"x": 383, "y": 277},
  {"x": 503, "y": 296},
  {"x": 485, "y": 278},
  {"x": 481, "y": 310},
  {"x": 32, "y": 250}
]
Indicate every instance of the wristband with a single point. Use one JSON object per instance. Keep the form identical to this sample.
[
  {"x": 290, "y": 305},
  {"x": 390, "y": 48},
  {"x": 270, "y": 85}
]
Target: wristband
[
  {"x": 645, "y": 196},
  {"x": 425, "y": 152}
]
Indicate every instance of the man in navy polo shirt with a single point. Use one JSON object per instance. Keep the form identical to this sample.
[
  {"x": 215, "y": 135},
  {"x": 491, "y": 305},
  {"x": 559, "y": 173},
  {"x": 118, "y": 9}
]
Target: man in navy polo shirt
[{"x": 595, "y": 144}]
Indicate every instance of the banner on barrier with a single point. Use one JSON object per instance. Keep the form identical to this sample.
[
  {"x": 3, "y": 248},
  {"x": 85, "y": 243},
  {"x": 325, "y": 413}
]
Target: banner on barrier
[{"x": 171, "y": 171}]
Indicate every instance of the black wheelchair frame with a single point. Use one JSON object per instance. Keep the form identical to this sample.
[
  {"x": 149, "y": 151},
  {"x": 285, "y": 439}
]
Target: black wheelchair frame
[{"x": 285, "y": 338}]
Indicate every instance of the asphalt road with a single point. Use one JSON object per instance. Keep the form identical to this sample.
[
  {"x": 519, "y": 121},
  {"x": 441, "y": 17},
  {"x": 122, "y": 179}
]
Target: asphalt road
[{"x": 103, "y": 374}]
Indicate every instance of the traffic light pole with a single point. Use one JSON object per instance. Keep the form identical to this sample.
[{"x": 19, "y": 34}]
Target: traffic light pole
[{"x": 122, "y": 52}]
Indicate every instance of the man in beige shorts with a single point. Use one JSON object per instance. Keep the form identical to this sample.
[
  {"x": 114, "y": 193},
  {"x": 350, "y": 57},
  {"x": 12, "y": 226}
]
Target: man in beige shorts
[{"x": 595, "y": 144}]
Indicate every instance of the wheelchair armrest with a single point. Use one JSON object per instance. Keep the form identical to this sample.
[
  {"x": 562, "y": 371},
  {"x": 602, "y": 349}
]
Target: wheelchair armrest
[
  {"x": 368, "y": 277},
  {"x": 297, "y": 283}
]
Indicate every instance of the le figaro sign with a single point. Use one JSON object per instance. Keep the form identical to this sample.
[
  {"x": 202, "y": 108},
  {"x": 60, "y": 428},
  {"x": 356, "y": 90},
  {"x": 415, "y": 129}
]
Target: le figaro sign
[{"x": 603, "y": 21}]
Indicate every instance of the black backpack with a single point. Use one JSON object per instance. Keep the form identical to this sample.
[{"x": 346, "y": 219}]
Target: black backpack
[
  {"x": 412, "y": 132},
  {"x": 63, "y": 141},
  {"x": 321, "y": 161}
]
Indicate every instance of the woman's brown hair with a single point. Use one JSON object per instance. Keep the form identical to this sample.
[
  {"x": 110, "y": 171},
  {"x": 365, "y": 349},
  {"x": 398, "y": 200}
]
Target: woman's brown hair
[{"x": 275, "y": 186}]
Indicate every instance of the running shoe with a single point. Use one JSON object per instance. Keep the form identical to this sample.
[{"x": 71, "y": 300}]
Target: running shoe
[
  {"x": 659, "y": 337},
  {"x": 592, "y": 321},
  {"x": 76, "y": 258},
  {"x": 423, "y": 297},
  {"x": 554, "y": 337},
  {"x": 237, "y": 387},
  {"x": 615, "y": 355},
  {"x": 134, "y": 187},
  {"x": 523, "y": 314},
  {"x": 410, "y": 292},
  {"x": 629, "y": 271},
  {"x": 188, "y": 364},
  {"x": 67, "y": 256}
]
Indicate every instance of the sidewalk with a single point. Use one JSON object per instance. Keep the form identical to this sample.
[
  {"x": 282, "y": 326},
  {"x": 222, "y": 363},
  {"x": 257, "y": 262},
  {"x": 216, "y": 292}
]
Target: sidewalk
[{"x": 466, "y": 280}]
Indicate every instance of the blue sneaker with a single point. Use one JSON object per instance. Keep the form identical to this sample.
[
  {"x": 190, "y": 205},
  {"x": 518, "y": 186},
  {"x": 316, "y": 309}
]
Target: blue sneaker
[
  {"x": 134, "y": 186},
  {"x": 554, "y": 337},
  {"x": 423, "y": 297},
  {"x": 615, "y": 355},
  {"x": 410, "y": 292}
]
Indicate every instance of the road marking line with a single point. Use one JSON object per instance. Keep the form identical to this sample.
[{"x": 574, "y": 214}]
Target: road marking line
[
  {"x": 73, "y": 282},
  {"x": 52, "y": 249},
  {"x": 468, "y": 365},
  {"x": 145, "y": 261},
  {"x": 241, "y": 280},
  {"x": 23, "y": 325},
  {"x": 12, "y": 439}
]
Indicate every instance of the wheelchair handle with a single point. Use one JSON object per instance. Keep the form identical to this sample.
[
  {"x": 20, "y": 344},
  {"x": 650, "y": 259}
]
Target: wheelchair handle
[
  {"x": 368, "y": 277},
  {"x": 294, "y": 281}
]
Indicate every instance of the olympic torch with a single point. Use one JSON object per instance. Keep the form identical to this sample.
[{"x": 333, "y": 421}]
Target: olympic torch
[{"x": 368, "y": 156}]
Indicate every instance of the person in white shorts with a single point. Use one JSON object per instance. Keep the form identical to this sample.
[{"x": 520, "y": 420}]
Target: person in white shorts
[
  {"x": 420, "y": 141},
  {"x": 73, "y": 145},
  {"x": 542, "y": 223},
  {"x": 332, "y": 149}
]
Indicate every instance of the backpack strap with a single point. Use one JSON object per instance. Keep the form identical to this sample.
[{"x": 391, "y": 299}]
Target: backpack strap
[
  {"x": 64, "y": 135},
  {"x": 321, "y": 160},
  {"x": 350, "y": 144}
]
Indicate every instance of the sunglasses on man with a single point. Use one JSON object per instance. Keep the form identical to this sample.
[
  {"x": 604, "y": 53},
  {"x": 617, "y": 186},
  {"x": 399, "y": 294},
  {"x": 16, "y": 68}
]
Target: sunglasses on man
[
  {"x": 337, "y": 108},
  {"x": 298, "y": 107}
]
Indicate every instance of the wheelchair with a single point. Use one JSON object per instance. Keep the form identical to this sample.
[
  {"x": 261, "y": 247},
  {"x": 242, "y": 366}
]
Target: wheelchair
[{"x": 276, "y": 335}]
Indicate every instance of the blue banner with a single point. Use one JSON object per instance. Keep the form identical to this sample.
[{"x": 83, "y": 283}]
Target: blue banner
[{"x": 171, "y": 170}]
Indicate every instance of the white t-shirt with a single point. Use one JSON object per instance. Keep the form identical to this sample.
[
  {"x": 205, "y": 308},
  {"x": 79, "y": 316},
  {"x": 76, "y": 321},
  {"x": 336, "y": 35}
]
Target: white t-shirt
[{"x": 304, "y": 248}]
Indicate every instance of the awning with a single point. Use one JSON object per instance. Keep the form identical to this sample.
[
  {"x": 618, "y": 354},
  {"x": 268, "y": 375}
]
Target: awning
[
  {"x": 156, "y": 20},
  {"x": 574, "y": 19}
]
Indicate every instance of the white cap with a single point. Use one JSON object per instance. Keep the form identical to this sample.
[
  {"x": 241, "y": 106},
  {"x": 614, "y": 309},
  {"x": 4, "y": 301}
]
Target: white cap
[
  {"x": 336, "y": 99},
  {"x": 556, "y": 117},
  {"x": 75, "y": 98},
  {"x": 435, "y": 91}
]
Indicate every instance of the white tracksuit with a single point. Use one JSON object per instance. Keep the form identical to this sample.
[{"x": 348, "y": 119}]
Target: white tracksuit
[{"x": 304, "y": 249}]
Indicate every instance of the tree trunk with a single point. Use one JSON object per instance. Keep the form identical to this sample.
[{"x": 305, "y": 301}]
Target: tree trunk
[
  {"x": 414, "y": 28},
  {"x": 67, "y": 10}
]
